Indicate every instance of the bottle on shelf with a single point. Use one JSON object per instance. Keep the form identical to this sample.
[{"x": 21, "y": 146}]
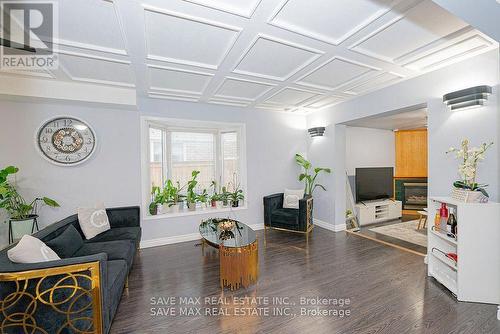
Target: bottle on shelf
[
  {"x": 443, "y": 214},
  {"x": 437, "y": 221},
  {"x": 452, "y": 223}
]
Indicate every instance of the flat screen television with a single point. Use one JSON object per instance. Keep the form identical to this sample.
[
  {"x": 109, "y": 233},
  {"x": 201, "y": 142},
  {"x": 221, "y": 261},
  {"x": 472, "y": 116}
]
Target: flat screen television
[{"x": 374, "y": 183}]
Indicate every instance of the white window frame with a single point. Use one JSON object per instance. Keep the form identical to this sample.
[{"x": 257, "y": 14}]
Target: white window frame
[{"x": 172, "y": 124}]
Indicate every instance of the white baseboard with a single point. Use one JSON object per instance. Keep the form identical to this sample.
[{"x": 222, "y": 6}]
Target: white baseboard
[
  {"x": 169, "y": 240},
  {"x": 182, "y": 238},
  {"x": 331, "y": 227}
]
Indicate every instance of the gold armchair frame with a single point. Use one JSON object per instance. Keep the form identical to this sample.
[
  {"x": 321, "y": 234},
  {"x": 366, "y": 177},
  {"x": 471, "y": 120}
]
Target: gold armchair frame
[
  {"x": 308, "y": 230},
  {"x": 30, "y": 295}
]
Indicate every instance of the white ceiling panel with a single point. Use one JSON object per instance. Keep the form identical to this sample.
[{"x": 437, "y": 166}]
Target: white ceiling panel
[
  {"x": 334, "y": 73},
  {"x": 91, "y": 24},
  {"x": 325, "y": 102},
  {"x": 166, "y": 96},
  {"x": 184, "y": 39},
  {"x": 178, "y": 81},
  {"x": 420, "y": 26},
  {"x": 279, "y": 55},
  {"x": 380, "y": 80},
  {"x": 291, "y": 97},
  {"x": 91, "y": 69},
  {"x": 327, "y": 20},
  {"x": 228, "y": 102},
  {"x": 243, "y": 8},
  {"x": 242, "y": 89},
  {"x": 444, "y": 55},
  {"x": 275, "y": 59}
]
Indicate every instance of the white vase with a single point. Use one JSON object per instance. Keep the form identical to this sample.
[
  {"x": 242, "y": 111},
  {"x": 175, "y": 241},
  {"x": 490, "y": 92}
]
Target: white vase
[
  {"x": 219, "y": 205},
  {"x": 174, "y": 208},
  {"x": 468, "y": 196}
]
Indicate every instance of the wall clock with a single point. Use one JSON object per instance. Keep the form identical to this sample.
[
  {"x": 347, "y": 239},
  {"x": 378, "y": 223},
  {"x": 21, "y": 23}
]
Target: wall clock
[{"x": 66, "y": 141}]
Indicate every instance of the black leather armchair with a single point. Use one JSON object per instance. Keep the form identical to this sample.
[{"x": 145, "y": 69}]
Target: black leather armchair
[{"x": 294, "y": 220}]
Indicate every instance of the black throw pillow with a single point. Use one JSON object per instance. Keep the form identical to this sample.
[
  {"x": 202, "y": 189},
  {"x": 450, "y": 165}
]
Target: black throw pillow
[{"x": 67, "y": 243}]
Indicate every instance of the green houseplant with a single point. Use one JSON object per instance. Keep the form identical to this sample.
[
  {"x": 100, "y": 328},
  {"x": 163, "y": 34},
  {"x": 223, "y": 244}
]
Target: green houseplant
[
  {"x": 307, "y": 176},
  {"x": 203, "y": 198},
  {"x": 156, "y": 200},
  {"x": 191, "y": 196},
  {"x": 16, "y": 206},
  {"x": 215, "y": 196},
  {"x": 175, "y": 198},
  {"x": 236, "y": 196},
  {"x": 224, "y": 196}
]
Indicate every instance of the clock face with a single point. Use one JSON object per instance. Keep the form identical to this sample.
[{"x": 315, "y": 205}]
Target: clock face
[{"x": 66, "y": 141}]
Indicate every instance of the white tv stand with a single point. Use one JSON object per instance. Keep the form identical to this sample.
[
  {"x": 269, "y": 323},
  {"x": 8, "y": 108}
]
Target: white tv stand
[{"x": 371, "y": 212}]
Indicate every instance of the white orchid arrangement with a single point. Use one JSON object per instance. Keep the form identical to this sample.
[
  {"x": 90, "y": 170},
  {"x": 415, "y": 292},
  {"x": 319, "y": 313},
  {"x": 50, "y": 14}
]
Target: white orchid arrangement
[{"x": 469, "y": 159}]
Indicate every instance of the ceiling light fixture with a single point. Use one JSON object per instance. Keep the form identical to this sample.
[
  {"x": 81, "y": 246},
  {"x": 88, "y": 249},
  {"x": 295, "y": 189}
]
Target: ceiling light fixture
[
  {"x": 467, "y": 98},
  {"x": 317, "y": 131}
]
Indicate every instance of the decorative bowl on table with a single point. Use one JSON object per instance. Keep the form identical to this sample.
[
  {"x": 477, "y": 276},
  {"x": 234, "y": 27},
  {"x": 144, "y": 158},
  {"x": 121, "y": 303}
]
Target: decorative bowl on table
[{"x": 226, "y": 225}]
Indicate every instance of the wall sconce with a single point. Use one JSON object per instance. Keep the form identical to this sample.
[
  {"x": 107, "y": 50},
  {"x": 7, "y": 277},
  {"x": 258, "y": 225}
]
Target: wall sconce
[
  {"x": 467, "y": 98},
  {"x": 317, "y": 131}
]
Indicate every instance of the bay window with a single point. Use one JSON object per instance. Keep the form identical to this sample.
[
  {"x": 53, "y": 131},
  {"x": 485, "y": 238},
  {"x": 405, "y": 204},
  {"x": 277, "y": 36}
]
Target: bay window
[{"x": 175, "y": 150}]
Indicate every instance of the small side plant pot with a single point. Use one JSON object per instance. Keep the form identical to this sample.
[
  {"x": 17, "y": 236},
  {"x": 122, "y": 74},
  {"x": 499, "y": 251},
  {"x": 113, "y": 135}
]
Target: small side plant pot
[
  {"x": 174, "y": 208},
  {"x": 161, "y": 209},
  {"x": 153, "y": 209},
  {"x": 191, "y": 206},
  {"x": 213, "y": 204},
  {"x": 235, "y": 204}
]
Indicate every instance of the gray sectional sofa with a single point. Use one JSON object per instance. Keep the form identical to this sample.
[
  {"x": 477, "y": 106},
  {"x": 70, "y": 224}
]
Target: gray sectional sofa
[{"x": 79, "y": 292}]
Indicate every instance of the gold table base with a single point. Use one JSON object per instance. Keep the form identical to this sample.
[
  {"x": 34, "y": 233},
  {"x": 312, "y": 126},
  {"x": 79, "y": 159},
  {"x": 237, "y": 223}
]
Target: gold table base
[{"x": 239, "y": 266}]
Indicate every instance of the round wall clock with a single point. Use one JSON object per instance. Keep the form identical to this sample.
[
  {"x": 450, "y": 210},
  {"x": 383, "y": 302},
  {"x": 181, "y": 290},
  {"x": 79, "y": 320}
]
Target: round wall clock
[{"x": 66, "y": 141}]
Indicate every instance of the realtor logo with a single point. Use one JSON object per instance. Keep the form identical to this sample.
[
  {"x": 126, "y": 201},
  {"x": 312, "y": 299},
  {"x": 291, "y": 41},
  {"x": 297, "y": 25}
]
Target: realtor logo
[{"x": 28, "y": 29}]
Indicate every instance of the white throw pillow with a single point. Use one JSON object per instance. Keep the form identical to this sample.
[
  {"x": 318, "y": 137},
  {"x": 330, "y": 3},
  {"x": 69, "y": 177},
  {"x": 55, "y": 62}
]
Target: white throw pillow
[
  {"x": 31, "y": 250},
  {"x": 93, "y": 221},
  {"x": 291, "y": 198}
]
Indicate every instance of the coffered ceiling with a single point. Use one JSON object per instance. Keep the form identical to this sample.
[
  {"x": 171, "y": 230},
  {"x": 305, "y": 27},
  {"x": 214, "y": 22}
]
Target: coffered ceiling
[{"x": 278, "y": 55}]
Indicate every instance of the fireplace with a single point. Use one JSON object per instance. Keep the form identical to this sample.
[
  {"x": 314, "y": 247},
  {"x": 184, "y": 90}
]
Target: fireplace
[{"x": 414, "y": 195}]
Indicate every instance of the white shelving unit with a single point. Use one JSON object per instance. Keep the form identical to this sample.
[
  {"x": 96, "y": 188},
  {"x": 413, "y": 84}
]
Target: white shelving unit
[
  {"x": 378, "y": 211},
  {"x": 476, "y": 275}
]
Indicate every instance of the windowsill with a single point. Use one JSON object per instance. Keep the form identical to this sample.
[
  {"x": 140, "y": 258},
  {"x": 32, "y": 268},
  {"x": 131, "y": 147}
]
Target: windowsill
[{"x": 198, "y": 211}]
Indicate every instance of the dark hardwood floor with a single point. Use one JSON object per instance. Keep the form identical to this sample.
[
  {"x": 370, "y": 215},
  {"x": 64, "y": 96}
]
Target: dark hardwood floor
[{"x": 388, "y": 289}]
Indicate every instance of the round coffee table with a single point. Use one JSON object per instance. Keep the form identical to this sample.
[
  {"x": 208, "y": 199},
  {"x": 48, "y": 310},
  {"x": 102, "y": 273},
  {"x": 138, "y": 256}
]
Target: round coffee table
[{"x": 238, "y": 251}]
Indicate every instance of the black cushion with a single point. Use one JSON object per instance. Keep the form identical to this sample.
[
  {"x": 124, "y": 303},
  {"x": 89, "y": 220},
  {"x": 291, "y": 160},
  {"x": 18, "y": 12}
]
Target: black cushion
[
  {"x": 118, "y": 233},
  {"x": 67, "y": 243},
  {"x": 116, "y": 250},
  {"x": 285, "y": 216}
]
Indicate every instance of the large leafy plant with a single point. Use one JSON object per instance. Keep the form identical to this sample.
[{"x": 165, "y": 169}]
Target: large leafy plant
[
  {"x": 309, "y": 174},
  {"x": 12, "y": 202}
]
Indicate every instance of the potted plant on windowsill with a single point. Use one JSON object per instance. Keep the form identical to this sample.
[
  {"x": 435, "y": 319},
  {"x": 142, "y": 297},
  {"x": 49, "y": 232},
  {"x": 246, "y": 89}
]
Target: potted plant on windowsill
[
  {"x": 174, "y": 198},
  {"x": 236, "y": 196},
  {"x": 16, "y": 206},
  {"x": 156, "y": 200},
  {"x": 214, "y": 198},
  {"x": 191, "y": 196},
  {"x": 223, "y": 198},
  {"x": 203, "y": 198}
]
